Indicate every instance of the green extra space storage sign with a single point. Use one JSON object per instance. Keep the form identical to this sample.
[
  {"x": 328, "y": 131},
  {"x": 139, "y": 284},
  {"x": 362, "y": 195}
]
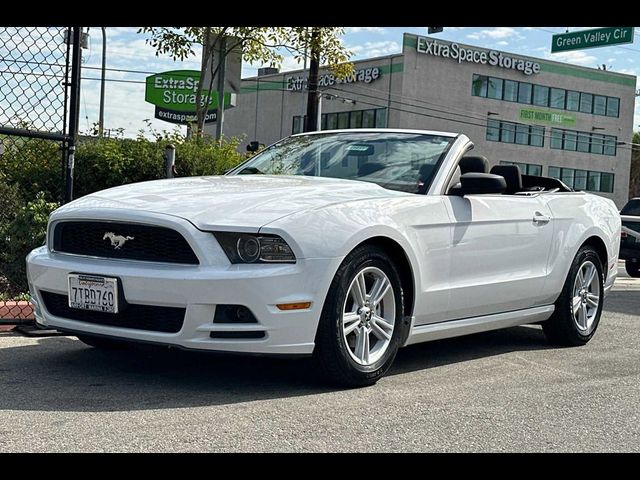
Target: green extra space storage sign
[
  {"x": 174, "y": 95},
  {"x": 547, "y": 116}
]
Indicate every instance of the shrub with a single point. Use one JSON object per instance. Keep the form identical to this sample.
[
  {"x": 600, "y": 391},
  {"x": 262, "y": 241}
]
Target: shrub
[
  {"x": 35, "y": 165},
  {"x": 25, "y": 232}
]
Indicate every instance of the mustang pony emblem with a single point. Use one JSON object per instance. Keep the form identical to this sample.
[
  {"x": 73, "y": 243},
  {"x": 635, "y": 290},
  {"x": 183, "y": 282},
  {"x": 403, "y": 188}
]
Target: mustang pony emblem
[{"x": 117, "y": 241}]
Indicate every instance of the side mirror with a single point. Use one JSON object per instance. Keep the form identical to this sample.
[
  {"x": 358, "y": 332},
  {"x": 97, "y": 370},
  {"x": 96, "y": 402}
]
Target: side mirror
[{"x": 474, "y": 183}]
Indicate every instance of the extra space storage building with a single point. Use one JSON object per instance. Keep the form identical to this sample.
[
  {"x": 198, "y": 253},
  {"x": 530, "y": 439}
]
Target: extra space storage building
[{"x": 550, "y": 118}]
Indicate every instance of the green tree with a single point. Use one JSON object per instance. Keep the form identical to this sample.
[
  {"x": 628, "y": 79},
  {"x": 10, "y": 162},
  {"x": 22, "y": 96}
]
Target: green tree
[
  {"x": 634, "y": 180},
  {"x": 259, "y": 44}
]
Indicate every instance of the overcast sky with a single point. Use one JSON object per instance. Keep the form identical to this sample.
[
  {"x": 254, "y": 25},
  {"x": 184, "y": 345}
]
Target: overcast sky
[{"x": 125, "y": 106}]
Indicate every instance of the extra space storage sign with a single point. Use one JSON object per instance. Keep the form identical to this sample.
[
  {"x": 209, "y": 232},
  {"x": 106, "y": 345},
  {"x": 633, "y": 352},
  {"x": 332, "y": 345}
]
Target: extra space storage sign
[{"x": 174, "y": 96}]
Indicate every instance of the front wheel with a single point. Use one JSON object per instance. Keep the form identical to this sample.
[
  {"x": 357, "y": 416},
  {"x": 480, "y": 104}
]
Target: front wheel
[
  {"x": 633, "y": 269},
  {"x": 578, "y": 309},
  {"x": 362, "y": 325}
]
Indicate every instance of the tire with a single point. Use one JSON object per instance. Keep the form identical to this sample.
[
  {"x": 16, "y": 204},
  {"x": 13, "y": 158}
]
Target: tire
[
  {"x": 633, "y": 269},
  {"x": 566, "y": 328},
  {"x": 103, "y": 342},
  {"x": 340, "y": 356}
]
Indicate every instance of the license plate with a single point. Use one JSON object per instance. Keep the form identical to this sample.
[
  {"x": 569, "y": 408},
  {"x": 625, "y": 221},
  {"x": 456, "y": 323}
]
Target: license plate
[{"x": 91, "y": 292}]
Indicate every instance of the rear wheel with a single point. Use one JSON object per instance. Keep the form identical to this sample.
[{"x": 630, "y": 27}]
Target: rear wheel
[
  {"x": 103, "y": 342},
  {"x": 633, "y": 269},
  {"x": 362, "y": 324},
  {"x": 578, "y": 309}
]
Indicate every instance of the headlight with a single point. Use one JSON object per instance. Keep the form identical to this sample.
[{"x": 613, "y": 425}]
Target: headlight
[{"x": 253, "y": 248}]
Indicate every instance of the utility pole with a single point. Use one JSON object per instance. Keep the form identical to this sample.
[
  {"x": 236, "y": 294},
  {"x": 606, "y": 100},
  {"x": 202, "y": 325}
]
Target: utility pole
[
  {"x": 102, "y": 82},
  {"x": 74, "y": 111},
  {"x": 222, "y": 63},
  {"x": 304, "y": 72},
  {"x": 314, "y": 67}
]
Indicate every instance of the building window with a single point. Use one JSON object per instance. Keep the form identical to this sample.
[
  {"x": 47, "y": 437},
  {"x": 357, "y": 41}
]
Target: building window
[
  {"x": 606, "y": 182},
  {"x": 537, "y": 136},
  {"x": 584, "y": 179},
  {"x": 519, "y": 133},
  {"x": 332, "y": 120},
  {"x": 522, "y": 134},
  {"x": 526, "y": 168},
  {"x": 493, "y": 130},
  {"x": 524, "y": 93},
  {"x": 510, "y": 91},
  {"x": 297, "y": 124},
  {"x": 343, "y": 119},
  {"x": 583, "y": 142},
  {"x": 368, "y": 118},
  {"x": 613, "y": 106},
  {"x": 479, "y": 85},
  {"x": 356, "y": 119},
  {"x": 599, "y": 105},
  {"x": 541, "y": 95},
  {"x": 580, "y": 180},
  {"x": 597, "y": 144},
  {"x": 507, "y": 132},
  {"x": 567, "y": 176},
  {"x": 371, "y": 118},
  {"x": 494, "y": 88},
  {"x": 556, "y": 139},
  {"x": 570, "y": 140},
  {"x": 593, "y": 181},
  {"x": 557, "y": 98},
  {"x": 544, "y": 96},
  {"x": 610, "y": 145},
  {"x": 573, "y": 101},
  {"x": 554, "y": 172},
  {"x": 586, "y": 102}
]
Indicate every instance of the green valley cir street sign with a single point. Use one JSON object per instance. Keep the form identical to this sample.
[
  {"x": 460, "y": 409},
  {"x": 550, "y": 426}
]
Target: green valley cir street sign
[
  {"x": 176, "y": 91},
  {"x": 540, "y": 115},
  {"x": 597, "y": 37}
]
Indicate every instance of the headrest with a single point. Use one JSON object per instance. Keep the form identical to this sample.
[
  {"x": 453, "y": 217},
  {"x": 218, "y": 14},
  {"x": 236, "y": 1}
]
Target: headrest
[
  {"x": 475, "y": 164},
  {"x": 512, "y": 176}
]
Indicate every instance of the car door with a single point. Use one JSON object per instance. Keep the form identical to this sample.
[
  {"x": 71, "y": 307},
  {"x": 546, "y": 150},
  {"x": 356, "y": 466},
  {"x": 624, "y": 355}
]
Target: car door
[{"x": 498, "y": 253}]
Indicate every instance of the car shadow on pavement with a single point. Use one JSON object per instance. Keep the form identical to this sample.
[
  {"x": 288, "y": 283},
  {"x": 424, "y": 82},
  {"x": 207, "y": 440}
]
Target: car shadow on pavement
[
  {"x": 63, "y": 374},
  {"x": 623, "y": 301},
  {"x": 469, "y": 347}
]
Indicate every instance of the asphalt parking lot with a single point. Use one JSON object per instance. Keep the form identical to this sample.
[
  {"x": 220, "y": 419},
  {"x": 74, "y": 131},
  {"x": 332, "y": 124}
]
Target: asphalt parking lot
[{"x": 496, "y": 391}]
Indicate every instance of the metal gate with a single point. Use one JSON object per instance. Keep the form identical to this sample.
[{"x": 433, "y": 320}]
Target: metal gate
[{"x": 39, "y": 110}]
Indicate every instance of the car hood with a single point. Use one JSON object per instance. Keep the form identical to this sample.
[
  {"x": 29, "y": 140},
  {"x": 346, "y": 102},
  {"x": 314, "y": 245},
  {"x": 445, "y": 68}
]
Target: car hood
[{"x": 243, "y": 202}]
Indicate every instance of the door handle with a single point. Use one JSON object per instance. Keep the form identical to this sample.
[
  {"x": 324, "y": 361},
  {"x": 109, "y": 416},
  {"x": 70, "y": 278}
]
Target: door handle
[{"x": 541, "y": 219}]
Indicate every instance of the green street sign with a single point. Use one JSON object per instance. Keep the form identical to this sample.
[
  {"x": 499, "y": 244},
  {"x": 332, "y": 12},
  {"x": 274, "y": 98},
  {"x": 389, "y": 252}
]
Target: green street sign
[
  {"x": 176, "y": 90},
  {"x": 551, "y": 117},
  {"x": 597, "y": 37}
]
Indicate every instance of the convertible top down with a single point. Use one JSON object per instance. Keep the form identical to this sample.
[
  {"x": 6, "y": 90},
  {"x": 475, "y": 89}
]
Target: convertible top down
[{"x": 343, "y": 245}]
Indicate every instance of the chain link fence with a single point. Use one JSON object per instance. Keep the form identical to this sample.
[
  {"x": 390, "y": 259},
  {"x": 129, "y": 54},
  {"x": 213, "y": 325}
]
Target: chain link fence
[{"x": 35, "y": 92}]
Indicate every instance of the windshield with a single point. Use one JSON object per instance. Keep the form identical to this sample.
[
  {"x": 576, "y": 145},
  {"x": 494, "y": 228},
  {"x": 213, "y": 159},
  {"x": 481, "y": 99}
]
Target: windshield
[
  {"x": 399, "y": 161},
  {"x": 632, "y": 208}
]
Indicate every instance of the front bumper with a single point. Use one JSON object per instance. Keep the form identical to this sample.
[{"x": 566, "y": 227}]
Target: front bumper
[{"x": 198, "y": 289}]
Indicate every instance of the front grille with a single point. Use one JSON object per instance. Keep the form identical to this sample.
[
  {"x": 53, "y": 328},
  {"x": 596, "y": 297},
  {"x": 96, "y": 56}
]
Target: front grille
[
  {"x": 128, "y": 241},
  {"x": 140, "y": 317}
]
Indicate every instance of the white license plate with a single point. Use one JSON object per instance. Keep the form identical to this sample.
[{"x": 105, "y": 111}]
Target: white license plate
[{"x": 91, "y": 292}]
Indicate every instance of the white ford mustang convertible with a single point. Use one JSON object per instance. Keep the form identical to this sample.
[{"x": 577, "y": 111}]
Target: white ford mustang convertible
[{"x": 343, "y": 245}]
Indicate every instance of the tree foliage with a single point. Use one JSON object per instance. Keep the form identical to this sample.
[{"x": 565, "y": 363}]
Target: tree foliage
[{"x": 259, "y": 45}]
